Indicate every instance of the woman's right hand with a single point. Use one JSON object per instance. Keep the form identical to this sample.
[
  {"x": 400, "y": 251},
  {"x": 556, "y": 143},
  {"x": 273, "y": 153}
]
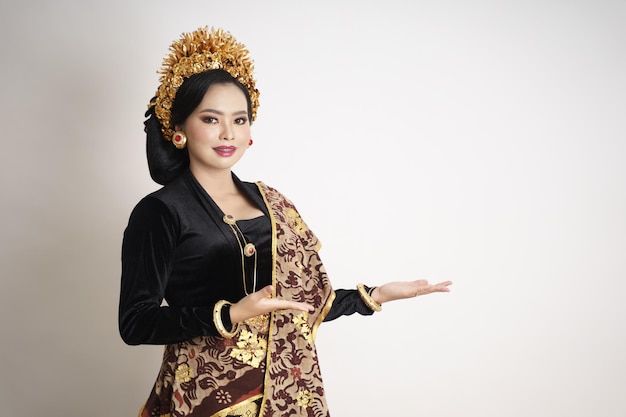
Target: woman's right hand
[{"x": 262, "y": 302}]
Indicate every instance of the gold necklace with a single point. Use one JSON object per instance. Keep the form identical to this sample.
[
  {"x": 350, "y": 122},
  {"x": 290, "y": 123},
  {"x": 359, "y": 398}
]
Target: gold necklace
[{"x": 247, "y": 249}]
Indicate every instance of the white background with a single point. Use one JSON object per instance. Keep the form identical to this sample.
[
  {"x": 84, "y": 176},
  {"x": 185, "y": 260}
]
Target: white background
[{"x": 477, "y": 141}]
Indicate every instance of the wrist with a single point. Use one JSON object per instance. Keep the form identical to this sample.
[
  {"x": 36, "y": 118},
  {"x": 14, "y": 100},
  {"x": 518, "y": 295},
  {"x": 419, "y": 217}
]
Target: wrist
[
  {"x": 235, "y": 314},
  {"x": 375, "y": 294},
  {"x": 366, "y": 297},
  {"x": 223, "y": 320}
]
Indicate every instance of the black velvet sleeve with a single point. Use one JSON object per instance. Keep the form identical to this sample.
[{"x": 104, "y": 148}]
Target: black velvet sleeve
[
  {"x": 148, "y": 253},
  {"x": 347, "y": 302}
]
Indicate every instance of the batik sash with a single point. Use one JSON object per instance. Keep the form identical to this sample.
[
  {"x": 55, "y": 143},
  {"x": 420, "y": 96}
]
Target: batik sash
[{"x": 273, "y": 357}]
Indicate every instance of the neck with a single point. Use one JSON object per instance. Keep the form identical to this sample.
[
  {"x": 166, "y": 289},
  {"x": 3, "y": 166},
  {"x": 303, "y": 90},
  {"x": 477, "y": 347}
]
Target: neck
[{"x": 215, "y": 182}]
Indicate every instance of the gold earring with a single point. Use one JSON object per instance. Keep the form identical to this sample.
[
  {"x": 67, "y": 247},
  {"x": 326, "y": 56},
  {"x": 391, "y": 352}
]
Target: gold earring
[{"x": 179, "y": 140}]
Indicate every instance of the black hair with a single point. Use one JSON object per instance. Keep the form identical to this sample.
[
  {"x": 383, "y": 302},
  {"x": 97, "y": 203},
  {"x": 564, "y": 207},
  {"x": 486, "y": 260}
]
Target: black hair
[{"x": 165, "y": 162}]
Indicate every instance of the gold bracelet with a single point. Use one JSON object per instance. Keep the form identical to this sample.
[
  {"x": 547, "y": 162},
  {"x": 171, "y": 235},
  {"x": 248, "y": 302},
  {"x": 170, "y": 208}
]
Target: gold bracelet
[
  {"x": 367, "y": 298},
  {"x": 219, "y": 325}
]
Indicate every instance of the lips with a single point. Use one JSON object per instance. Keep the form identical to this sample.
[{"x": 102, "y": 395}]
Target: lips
[{"x": 225, "y": 150}]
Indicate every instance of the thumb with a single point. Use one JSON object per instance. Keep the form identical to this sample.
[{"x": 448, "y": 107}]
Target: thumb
[{"x": 266, "y": 292}]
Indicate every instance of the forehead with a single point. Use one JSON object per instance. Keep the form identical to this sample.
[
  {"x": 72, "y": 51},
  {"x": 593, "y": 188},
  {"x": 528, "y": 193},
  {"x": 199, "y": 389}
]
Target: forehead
[{"x": 224, "y": 95}]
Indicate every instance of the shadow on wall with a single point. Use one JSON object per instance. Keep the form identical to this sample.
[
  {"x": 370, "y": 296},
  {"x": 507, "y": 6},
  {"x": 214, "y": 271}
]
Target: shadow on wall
[{"x": 61, "y": 247}]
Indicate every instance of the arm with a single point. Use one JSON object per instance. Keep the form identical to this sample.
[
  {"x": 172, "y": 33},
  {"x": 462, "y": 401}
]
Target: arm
[
  {"x": 401, "y": 290},
  {"x": 147, "y": 260},
  {"x": 348, "y": 302}
]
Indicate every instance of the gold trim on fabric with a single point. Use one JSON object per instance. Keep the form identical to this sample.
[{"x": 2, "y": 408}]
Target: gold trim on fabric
[
  {"x": 323, "y": 315},
  {"x": 270, "y": 330},
  {"x": 313, "y": 396},
  {"x": 331, "y": 298},
  {"x": 244, "y": 408}
]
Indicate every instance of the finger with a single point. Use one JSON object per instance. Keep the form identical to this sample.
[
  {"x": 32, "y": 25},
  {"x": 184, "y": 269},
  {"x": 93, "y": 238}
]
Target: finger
[
  {"x": 441, "y": 287},
  {"x": 294, "y": 305},
  {"x": 265, "y": 292},
  {"x": 303, "y": 307},
  {"x": 279, "y": 304}
]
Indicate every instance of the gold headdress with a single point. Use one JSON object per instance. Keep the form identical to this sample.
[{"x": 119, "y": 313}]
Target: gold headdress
[{"x": 197, "y": 52}]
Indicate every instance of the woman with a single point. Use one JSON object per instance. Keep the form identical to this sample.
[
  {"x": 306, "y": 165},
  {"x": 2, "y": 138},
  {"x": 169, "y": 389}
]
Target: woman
[{"x": 239, "y": 269}]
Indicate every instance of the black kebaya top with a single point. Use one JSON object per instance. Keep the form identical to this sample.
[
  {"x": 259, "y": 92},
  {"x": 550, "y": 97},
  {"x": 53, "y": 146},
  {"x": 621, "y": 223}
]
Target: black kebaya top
[{"x": 177, "y": 248}]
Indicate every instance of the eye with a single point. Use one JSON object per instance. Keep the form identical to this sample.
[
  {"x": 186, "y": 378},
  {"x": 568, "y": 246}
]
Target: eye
[
  {"x": 241, "y": 121},
  {"x": 209, "y": 119}
]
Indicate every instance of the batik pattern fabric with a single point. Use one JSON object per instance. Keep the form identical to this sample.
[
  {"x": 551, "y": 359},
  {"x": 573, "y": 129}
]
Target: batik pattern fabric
[
  {"x": 211, "y": 376},
  {"x": 270, "y": 368},
  {"x": 293, "y": 380}
]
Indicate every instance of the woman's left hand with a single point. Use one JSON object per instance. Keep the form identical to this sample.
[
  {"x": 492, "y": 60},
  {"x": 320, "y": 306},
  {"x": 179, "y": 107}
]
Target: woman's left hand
[{"x": 409, "y": 289}]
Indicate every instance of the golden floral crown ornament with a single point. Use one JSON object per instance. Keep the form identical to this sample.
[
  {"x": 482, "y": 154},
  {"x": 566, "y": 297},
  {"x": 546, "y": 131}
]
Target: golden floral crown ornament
[{"x": 197, "y": 52}]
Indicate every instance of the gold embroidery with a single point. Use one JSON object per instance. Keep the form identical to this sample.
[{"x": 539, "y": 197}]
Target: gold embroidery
[
  {"x": 183, "y": 373},
  {"x": 296, "y": 221},
  {"x": 261, "y": 323},
  {"x": 305, "y": 398},
  {"x": 247, "y": 408},
  {"x": 250, "y": 349},
  {"x": 301, "y": 324}
]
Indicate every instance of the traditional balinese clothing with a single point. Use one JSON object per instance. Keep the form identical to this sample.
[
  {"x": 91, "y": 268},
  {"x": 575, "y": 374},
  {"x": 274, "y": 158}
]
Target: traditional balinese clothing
[{"x": 177, "y": 248}]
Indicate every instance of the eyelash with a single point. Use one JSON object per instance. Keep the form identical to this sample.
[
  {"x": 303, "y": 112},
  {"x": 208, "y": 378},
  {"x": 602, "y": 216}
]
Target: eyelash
[{"x": 239, "y": 120}]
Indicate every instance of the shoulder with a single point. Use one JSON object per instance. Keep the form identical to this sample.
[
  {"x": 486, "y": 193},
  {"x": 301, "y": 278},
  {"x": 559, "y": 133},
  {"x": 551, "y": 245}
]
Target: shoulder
[
  {"x": 268, "y": 191},
  {"x": 277, "y": 200},
  {"x": 260, "y": 191},
  {"x": 287, "y": 213},
  {"x": 150, "y": 212},
  {"x": 159, "y": 208},
  {"x": 172, "y": 192}
]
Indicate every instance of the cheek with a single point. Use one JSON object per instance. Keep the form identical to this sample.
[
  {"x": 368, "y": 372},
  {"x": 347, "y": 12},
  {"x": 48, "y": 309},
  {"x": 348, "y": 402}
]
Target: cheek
[
  {"x": 199, "y": 133},
  {"x": 244, "y": 132}
]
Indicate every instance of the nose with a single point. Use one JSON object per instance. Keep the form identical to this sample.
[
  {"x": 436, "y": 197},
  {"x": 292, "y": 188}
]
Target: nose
[{"x": 227, "y": 133}]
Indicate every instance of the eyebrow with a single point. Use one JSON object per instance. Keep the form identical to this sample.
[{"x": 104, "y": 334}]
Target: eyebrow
[{"x": 221, "y": 112}]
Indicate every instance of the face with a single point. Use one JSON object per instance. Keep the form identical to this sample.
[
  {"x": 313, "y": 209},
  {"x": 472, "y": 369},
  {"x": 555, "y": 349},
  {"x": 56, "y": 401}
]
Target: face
[{"x": 218, "y": 130}]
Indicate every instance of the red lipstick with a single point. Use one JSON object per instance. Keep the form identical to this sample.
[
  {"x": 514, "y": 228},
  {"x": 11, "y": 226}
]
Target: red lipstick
[{"x": 225, "y": 150}]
